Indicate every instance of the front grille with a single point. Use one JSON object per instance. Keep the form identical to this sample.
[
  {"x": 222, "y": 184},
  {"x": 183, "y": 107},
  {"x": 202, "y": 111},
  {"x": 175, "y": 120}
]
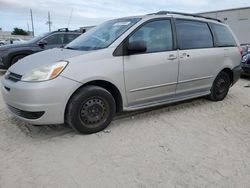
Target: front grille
[
  {"x": 14, "y": 77},
  {"x": 26, "y": 114}
]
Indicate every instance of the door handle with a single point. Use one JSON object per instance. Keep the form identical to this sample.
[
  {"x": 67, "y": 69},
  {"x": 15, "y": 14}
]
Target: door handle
[
  {"x": 172, "y": 57},
  {"x": 184, "y": 55}
]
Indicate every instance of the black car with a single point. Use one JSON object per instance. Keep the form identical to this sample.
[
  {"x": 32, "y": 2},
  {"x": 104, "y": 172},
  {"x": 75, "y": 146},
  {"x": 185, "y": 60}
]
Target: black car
[
  {"x": 245, "y": 61},
  {"x": 10, "y": 54}
]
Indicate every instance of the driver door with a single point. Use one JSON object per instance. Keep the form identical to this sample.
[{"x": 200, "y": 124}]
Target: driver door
[
  {"x": 54, "y": 41},
  {"x": 151, "y": 77}
]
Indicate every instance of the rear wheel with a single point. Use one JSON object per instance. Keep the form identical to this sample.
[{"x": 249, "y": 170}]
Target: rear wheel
[
  {"x": 16, "y": 59},
  {"x": 220, "y": 87},
  {"x": 91, "y": 109}
]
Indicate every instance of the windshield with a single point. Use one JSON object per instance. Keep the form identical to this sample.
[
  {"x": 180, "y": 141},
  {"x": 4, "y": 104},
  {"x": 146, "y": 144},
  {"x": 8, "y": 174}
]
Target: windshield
[
  {"x": 37, "y": 38},
  {"x": 103, "y": 35}
]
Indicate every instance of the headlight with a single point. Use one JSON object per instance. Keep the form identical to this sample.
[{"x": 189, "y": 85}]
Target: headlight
[
  {"x": 7, "y": 74},
  {"x": 44, "y": 73},
  {"x": 245, "y": 58}
]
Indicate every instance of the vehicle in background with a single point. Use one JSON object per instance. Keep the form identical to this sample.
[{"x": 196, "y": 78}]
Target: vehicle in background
[
  {"x": 14, "y": 41},
  {"x": 124, "y": 64},
  {"x": 2, "y": 42},
  {"x": 10, "y": 54},
  {"x": 245, "y": 60}
]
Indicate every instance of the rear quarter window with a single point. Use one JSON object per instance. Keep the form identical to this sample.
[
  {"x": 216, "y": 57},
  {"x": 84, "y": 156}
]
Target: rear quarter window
[
  {"x": 193, "y": 34},
  {"x": 223, "y": 36}
]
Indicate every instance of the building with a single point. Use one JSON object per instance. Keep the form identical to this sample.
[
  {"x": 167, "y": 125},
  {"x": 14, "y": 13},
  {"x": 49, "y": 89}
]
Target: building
[{"x": 238, "y": 19}]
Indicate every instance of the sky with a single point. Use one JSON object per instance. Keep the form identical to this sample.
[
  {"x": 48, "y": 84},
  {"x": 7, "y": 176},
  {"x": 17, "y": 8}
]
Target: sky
[{"x": 78, "y": 13}]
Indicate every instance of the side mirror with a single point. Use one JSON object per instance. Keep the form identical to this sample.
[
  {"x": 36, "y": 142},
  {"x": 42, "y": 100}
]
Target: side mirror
[
  {"x": 137, "y": 47},
  {"x": 42, "y": 43}
]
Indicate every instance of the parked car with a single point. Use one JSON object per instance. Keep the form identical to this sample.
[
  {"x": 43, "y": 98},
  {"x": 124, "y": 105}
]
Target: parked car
[
  {"x": 2, "y": 42},
  {"x": 124, "y": 64},
  {"x": 14, "y": 41},
  {"x": 10, "y": 54},
  {"x": 245, "y": 61}
]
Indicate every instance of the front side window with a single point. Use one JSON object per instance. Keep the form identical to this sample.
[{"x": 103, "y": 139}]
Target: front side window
[
  {"x": 103, "y": 35},
  {"x": 193, "y": 34},
  {"x": 55, "y": 39},
  {"x": 223, "y": 36},
  {"x": 157, "y": 36}
]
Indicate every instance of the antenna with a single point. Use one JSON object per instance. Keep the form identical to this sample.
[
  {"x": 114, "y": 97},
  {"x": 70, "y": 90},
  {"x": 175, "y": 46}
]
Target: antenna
[
  {"x": 70, "y": 17},
  {"x": 28, "y": 27}
]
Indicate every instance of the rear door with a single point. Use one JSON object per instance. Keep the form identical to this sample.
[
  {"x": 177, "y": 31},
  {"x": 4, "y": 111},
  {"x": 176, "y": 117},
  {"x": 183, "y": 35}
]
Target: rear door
[
  {"x": 151, "y": 77},
  {"x": 198, "y": 58}
]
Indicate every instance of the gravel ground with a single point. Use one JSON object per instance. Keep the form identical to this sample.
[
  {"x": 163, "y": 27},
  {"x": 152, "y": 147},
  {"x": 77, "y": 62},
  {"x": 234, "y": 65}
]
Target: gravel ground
[{"x": 197, "y": 143}]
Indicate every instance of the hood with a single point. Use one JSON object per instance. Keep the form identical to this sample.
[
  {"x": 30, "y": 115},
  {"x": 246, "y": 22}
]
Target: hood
[
  {"x": 19, "y": 45},
  {"x": 43, "y": 58}
]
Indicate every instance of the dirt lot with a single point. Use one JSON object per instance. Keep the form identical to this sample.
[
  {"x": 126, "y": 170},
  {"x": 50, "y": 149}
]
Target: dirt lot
[{"x": 193, "y": 144}]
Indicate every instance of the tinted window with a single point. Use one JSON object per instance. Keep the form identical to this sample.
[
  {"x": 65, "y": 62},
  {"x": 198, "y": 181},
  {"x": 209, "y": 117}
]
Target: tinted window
[
  {"x": 193, "y": 34},
  {"x": 157, "y": 35},
  {"x": 223, "y": 36},
  {"x": 55, "y": 39},
  {"x": 70, "y": 37}
]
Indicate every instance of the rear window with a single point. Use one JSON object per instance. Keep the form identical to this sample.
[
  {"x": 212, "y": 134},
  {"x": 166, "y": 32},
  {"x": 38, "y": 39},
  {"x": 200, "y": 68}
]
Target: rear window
[
  {"x": 193, "y": 34},
  {"x": 223, "y": 36}
]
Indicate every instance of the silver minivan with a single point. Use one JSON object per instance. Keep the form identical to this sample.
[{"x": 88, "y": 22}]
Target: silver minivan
[{"x": 123, "y": 65}]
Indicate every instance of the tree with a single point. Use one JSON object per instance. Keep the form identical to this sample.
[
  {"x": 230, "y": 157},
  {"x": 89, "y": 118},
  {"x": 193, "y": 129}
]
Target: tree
[{"x": 18, "y": 31}]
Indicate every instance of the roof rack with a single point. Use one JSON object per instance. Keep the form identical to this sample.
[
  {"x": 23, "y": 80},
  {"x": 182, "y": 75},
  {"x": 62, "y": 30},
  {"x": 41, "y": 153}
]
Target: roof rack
[
  {"x": 64, "y": 29},
  {"x": 185, "y": 14}
]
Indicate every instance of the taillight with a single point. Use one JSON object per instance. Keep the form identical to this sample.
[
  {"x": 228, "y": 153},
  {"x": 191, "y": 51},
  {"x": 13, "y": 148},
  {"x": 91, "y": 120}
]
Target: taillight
[{"x": 241, "y": 51}]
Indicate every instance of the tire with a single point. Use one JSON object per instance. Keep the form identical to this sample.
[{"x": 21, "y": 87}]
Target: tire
[
  {"x": 220, "y": 87},
  {"x": 16, "y": 59},
  {"x": 90, "y": 110}
]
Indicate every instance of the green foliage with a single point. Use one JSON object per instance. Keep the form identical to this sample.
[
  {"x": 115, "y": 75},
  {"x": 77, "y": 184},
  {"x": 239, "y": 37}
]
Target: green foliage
[{"x": 18, "y": 31}]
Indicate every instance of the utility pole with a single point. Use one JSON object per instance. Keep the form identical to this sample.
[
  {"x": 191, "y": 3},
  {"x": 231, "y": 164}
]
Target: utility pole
[
  {"x": 32, "y": 24},
  {"x": 49, "y": 22}
]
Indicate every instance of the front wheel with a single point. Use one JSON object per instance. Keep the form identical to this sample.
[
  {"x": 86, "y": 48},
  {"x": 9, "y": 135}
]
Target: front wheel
[
  {"x": 90, "y": 110},
  {"x": 220, "y": 87},
  {"x": 16, "y": 59}
]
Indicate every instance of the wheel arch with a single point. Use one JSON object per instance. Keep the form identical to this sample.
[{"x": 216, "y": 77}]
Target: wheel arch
[
  {"x": 110, "y": 87},
  {"x": 230, "y": 73},
  {"x": 13, "y": 55}
]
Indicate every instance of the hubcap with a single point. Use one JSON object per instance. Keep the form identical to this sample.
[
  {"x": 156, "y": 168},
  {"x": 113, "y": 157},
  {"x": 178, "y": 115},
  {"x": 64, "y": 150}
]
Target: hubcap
[
  {"x": 221, "y": 86},
  {"x": 94, "y": 112}
]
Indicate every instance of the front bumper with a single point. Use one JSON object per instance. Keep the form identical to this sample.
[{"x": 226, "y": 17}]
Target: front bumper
[
  {"x": 245, "y": 68},
  {"x": 39, "y": 103},
  {"x": 3, "y": 61}
]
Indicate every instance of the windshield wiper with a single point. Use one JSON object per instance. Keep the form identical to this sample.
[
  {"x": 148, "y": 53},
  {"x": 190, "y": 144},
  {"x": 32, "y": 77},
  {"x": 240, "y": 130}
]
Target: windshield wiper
[{"x": 70, "y": 48}]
